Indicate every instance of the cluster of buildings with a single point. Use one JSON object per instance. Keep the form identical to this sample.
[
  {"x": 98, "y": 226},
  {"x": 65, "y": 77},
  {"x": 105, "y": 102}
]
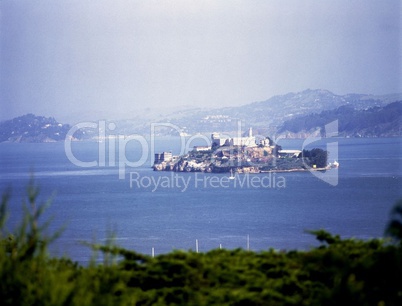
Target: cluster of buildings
[
  {"x": 245, "y": 141},
  {"x": 164, "y": 156},
  {"x": 248, "y": 141}
]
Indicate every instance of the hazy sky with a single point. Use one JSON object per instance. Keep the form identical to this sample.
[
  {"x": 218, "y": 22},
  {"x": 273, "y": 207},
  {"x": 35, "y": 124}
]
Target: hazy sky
[{"x": 111, "y": 58}]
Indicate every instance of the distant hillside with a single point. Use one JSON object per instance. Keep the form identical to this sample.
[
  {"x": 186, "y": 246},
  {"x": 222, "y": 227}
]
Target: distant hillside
[
  {"x": 268, "y": 116},
  {"x": 373, "y": 122},
  {"x": 31, "y": 128}
]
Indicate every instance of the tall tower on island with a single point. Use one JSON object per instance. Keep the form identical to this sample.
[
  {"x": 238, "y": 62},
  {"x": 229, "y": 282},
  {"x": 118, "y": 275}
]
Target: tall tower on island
[{"x": 250, "y": 132}]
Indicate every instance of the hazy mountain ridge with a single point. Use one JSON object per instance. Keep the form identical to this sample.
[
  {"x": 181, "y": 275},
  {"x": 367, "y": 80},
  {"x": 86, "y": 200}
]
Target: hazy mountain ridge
[
  {"x": 268, "y": 116},
  {"x": 31, "y": 128},
  {"x": 282, "y": 113},
  {"x": 372, "y": 122}
]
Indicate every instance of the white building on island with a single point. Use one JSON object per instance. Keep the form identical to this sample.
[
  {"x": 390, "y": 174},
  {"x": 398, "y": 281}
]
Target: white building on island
[
  {"x": 246, "y": 141},
  {"x": 217, "y": 140}
]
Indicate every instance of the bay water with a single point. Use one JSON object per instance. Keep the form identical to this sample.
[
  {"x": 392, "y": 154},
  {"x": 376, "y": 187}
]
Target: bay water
[{"x": 144, "y": 209}]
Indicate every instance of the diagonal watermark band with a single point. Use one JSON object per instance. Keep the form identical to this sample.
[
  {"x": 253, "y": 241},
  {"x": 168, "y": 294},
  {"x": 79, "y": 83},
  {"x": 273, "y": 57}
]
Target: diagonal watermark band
[{"x": 330, "y": 130}]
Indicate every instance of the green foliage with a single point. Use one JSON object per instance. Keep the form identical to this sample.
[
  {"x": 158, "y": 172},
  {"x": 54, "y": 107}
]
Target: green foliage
[
  {"x": 340, "y": 271},
  {"x": 316, "y": 156},
  {"x": 394, "y": 227}
]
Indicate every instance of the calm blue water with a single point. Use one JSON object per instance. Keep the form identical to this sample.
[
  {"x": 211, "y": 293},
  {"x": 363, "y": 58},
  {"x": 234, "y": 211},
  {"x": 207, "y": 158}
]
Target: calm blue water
[{"x": 92, "y": 202}]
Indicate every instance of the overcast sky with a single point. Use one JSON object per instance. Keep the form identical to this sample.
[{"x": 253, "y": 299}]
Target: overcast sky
[{"x": 111, "y": 58}]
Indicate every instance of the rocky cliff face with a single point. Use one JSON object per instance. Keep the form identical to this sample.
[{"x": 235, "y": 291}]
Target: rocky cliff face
[{"x": 183, "y": 165}]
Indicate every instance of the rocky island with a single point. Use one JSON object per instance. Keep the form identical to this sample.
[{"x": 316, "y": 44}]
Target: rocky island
[{"x": 242, "y": 155}]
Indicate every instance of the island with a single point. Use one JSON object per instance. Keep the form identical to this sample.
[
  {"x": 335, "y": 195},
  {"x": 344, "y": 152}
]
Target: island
[{"x": 243, "y": 155}]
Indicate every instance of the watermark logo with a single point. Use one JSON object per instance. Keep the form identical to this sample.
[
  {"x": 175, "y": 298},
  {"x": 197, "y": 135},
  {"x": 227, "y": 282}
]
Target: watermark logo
[
  {"x": 331, "y": 130},
  {"x": 183, "y": 182},
  {"x": 112, "y": 152},
  {"x": 102, "y": 138},
  {"x": 108, "y": 141}
]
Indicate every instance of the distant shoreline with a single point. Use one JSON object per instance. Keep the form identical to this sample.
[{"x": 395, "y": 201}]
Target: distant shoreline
[{"x": 296, "y": 170}]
